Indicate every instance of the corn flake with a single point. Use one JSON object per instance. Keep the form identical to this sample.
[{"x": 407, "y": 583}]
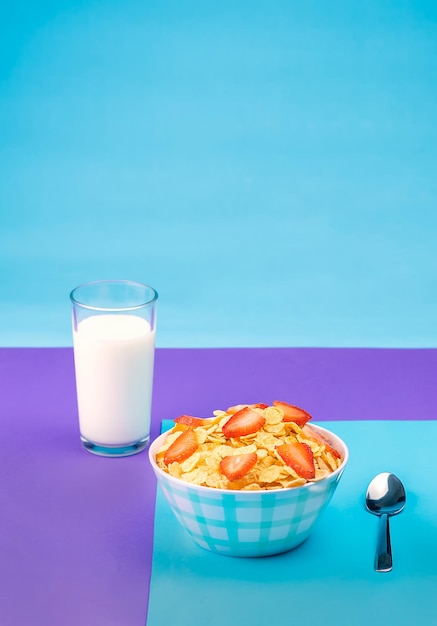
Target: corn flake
[{"x": 202, "y": 467}]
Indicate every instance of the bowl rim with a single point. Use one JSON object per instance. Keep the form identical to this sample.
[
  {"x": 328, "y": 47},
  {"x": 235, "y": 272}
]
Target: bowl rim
[{"x": 242, "y": 493}]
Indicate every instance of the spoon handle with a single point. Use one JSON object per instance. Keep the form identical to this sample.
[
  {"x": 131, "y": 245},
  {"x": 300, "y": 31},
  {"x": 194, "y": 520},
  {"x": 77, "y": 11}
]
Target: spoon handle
[{"x": 383, "y": 558}]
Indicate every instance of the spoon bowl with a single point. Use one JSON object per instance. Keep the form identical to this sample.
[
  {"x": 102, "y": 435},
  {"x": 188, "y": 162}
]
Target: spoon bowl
[{"x": 385, "y": 497}]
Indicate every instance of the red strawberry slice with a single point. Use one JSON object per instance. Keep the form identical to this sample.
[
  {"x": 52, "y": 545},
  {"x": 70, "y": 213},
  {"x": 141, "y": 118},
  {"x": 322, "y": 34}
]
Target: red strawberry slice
[
  {"x": 182, "y": 447},
  {"x": 293, "y": 413},
  {"x": 244, "y": 422},
  {"x": 234, "y": 409},
  {"x": 309, "y": 432},
  {"x": 299, "y": 457},
  {"x": 236, "y": 466},
  {"x": 189, "y": 420}
]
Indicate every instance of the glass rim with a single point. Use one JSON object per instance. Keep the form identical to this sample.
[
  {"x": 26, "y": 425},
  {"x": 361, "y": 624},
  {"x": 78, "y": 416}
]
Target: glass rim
[{"x": 92, "y": 307}]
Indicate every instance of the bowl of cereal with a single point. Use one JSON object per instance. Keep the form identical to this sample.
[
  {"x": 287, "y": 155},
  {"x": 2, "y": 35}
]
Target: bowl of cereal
[{"x": 250, "y": 481}]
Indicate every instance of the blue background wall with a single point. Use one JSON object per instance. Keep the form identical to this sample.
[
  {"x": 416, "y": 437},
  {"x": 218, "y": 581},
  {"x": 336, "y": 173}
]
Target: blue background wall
[{"x": 268, "y": 166}]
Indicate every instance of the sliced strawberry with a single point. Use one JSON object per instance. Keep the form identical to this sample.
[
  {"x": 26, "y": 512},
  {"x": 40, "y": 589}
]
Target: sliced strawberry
[
  {"x": 182, "y": 447},
  {"x": 236, "y": 466},
  {"x": 234, "y": 409},
  {"x": 244, "y": 422},
  {"x": 189, "y": 420},
  {"x": 309, "y": 432},
  {"x": 299, "y": 457},
  {"x": 293, "y": 413}
]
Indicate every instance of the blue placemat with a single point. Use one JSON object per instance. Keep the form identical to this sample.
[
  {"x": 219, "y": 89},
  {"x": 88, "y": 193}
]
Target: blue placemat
[{"x": 329, "y": 579}]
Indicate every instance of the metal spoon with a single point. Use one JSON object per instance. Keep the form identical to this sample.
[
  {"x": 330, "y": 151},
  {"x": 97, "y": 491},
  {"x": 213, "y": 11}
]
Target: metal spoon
[{"x": 385, "y": 496}]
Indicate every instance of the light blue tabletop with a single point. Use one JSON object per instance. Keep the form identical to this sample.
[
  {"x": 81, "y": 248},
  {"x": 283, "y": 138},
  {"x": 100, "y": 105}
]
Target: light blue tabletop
[{"x": 330, "y": 578}]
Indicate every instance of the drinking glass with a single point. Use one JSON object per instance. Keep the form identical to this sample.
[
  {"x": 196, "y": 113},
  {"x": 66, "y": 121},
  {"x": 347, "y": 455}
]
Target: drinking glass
[{"x": 114, "y": 323}]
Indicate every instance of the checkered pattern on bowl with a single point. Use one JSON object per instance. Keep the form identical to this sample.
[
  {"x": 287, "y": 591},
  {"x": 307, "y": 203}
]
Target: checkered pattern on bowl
[{"x": 247, "y": 523}]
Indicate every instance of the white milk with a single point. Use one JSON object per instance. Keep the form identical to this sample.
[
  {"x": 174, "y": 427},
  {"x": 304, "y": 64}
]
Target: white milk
[{"x": 114, "y": 372}]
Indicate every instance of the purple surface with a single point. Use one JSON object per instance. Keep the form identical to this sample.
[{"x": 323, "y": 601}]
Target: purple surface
[
  {"x": 76, "y": 530},
  {"x": 331, "y": 383}
]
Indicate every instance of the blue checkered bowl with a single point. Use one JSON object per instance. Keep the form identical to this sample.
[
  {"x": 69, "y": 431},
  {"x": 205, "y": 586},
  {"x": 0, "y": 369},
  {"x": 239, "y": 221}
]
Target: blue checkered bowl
[{"x": 248, "y": 523}]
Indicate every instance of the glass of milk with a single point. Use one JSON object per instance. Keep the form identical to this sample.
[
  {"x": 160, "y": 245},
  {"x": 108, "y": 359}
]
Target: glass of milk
[{"x": 114, "y": 325}]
